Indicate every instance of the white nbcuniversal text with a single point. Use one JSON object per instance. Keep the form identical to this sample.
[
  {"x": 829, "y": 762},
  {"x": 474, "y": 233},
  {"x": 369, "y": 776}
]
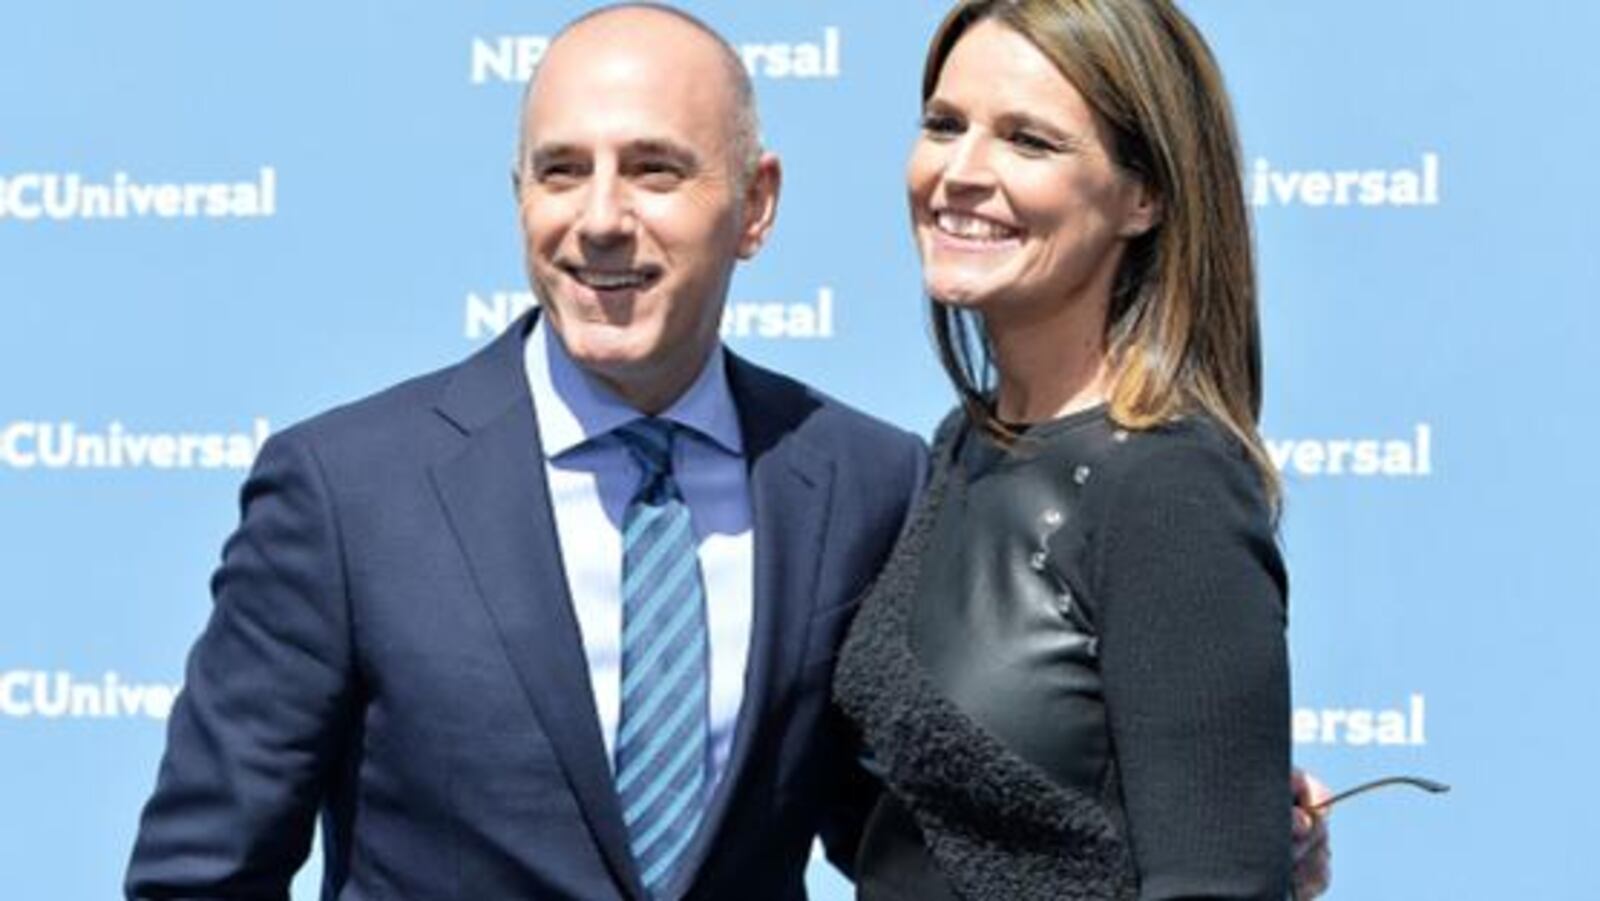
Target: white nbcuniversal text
[
  {"x": 64, "y": 196},
  {"x": 1359, "y": 726},
  {"x": 31, "y": 444},
  {"x": 26, "y": 694},
  {"x": 1398, "y": 187},
  {"x": 1392, "y": 457},
  {"x": 489, "y": 315},
  {"x": 513, "y": 58},
  {"x": 42, "y": 694}
]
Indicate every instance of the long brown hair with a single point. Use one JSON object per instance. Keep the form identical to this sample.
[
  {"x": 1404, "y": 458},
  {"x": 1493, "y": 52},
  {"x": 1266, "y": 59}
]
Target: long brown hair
[{"x": 1182, "y": 334}]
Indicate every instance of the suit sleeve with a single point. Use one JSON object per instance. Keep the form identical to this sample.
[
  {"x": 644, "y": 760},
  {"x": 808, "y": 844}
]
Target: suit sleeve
[
  {"x": 1195, "y": 668},
  {"x": 266, "y": 704},
  {"x": 853, "y": 792}
]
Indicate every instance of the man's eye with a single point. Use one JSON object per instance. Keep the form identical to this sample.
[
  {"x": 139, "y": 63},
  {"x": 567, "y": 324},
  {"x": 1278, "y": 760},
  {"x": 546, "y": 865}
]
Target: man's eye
[
  {"x": 558, "y": 173},
  {"x": 939, "y": 125},
  {"x": 659, "y": 173}
]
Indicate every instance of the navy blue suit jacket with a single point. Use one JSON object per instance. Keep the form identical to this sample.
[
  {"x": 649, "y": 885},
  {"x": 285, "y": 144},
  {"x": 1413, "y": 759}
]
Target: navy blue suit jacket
[{"x": 393, "y": 645}]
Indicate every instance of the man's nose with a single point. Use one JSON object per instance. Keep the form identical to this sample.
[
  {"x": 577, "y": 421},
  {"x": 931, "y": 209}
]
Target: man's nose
[{"x": 607, "y": 215}]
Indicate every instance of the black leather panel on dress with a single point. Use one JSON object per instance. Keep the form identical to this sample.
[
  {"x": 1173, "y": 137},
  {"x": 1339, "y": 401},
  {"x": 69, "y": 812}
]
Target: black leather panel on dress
[
  {"x": 966, "y": 813},
  {"x": 999, "y": 620}
]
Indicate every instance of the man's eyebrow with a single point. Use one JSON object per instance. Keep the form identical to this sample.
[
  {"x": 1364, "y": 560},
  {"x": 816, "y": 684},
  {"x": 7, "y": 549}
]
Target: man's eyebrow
[
  {"x": 659, "y": 147},
  {"x": 643, "y": 147},
  {"x": 543, "y": 152}
]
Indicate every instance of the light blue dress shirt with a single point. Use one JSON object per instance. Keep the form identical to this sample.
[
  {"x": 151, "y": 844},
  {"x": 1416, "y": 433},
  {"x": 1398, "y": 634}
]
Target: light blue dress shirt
[{"x": 592, "y": 477}]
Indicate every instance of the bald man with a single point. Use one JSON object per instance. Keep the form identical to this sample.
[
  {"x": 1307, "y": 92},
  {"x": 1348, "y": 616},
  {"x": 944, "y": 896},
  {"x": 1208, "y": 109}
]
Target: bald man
[{"x": 558, "y": 621}]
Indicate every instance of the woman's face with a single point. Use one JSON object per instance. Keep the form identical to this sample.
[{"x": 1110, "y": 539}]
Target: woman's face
[{"x": 1016, "y": 205}]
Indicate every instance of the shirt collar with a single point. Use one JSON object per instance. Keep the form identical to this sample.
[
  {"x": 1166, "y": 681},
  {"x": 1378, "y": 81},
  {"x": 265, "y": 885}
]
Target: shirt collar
[{"x": 575, "y": 407}]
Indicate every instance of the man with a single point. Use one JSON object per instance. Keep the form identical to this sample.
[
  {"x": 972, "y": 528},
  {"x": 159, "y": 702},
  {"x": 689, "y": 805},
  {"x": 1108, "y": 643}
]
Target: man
[
  {"x": 435, "y": 623},
  {"x": 419, "y": 624}
]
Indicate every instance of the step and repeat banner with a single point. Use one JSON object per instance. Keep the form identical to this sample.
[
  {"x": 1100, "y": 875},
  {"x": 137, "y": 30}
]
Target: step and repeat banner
[{"x": 218, "y": 219}]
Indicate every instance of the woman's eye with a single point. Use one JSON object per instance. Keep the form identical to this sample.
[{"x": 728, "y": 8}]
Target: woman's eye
[
  {"x": 1033, "y": 143},
  {"x": 940, "y": 125}
]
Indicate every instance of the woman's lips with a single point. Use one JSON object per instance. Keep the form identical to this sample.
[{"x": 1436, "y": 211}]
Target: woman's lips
[{"x": 972, "y": 232}]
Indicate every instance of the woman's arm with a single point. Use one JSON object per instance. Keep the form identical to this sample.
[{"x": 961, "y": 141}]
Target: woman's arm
[{"x": 1191, "y": 595}]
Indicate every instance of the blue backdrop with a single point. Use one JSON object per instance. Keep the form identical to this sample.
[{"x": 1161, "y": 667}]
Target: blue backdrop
[{"x": 217, "y": 219}]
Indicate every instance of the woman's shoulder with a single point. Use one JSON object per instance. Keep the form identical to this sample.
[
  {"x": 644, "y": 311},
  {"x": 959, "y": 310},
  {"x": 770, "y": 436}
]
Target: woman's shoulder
[
  {"x": 1187, "y": 458},
  {"x": 1179, "y": 493},
  {"x": 1174, "y": 489}
]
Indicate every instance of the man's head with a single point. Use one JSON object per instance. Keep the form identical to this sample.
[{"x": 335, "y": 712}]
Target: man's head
[{"x": 640, "y": 184}]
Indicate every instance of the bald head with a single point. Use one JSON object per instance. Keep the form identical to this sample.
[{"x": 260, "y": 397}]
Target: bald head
[
  {"x": 651, "y": 35},
  {"x": 640, "y": 190}
]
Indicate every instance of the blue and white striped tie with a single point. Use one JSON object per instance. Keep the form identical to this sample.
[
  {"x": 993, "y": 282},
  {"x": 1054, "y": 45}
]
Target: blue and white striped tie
[{"x": 661, "y": 733}]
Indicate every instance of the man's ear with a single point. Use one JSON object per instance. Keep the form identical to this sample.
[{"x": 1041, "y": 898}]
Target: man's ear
[{"x": 760, "y": 205}]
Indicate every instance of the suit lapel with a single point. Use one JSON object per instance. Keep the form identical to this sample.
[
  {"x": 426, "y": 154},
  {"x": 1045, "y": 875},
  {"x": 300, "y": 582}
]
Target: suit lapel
[
  {"x": 497, "y": 500},
  {"x": 790, "y": 488}
]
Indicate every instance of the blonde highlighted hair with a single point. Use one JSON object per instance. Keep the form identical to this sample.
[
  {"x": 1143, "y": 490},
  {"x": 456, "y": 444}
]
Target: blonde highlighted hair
[{"x": 1182, "y": 334}]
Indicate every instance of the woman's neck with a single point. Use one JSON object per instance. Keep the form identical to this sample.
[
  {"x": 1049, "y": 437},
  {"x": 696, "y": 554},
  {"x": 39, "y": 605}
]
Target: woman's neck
[{"x": 1049, "y": 366}]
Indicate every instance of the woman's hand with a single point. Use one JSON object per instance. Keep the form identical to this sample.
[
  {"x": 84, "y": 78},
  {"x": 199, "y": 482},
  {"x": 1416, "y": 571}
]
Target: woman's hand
[{"x": 1312, "y": 854}]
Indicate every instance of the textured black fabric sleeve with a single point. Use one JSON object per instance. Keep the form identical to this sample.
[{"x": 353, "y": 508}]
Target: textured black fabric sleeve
[{"x": 1191, "y": 596}]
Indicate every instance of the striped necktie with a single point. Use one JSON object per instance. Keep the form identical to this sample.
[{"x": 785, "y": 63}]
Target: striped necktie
[{"x": 661, "y": 745}]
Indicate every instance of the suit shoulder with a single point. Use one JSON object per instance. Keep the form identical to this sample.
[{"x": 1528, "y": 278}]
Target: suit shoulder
[
  {"x": 828, "y": 418},
  {"x": 403, "y": 423},
  {"x": 376, "y": 416},
  {"x": 852, "y": 425}
]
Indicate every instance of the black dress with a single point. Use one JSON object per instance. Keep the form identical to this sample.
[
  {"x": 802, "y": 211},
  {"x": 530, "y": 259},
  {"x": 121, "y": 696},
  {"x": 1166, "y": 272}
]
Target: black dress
[{"x": 1072, "y": 677}]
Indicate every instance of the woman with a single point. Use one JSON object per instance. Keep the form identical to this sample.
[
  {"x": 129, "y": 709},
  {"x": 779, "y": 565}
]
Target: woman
[{"x": 1072, "y": 675}]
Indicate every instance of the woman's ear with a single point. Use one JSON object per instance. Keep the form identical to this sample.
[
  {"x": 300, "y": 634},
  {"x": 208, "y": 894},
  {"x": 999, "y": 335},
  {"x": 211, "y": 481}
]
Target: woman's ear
[{"x": 1143, "y": 212}]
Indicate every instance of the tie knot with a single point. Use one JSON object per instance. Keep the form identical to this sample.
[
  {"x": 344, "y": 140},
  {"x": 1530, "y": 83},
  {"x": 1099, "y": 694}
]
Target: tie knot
[{"x": 649, "y": 442}]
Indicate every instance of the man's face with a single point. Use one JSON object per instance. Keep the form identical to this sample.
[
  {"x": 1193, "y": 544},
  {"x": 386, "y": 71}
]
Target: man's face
[{"x": 633, "y": 211}]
